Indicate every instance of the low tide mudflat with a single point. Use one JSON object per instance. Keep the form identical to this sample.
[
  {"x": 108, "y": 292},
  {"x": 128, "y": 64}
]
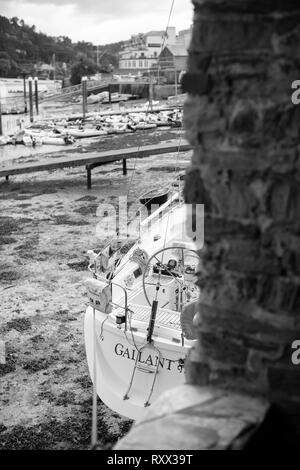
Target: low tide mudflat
[{"x": 47, "y": 223}]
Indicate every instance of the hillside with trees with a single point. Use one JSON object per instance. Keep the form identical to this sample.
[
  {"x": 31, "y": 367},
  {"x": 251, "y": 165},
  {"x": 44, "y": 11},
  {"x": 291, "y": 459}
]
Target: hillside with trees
[{"x": 23, "y": 49}]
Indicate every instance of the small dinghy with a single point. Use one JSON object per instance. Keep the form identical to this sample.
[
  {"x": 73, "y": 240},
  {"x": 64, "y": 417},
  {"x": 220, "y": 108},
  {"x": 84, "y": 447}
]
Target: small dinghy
[
  {"x": 64, "y": 140},
  {"x": 81, "y": 134},
  {"x": 32, "y": 140},
  {"x": 138, "y": 326},
  {"x": 145, "y": 125}
]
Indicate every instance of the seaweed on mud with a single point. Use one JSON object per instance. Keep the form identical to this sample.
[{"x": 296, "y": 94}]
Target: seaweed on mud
[
  {"x": 24, "y": 205},
  {"x": 67, "y": 220},
  {"x": 84, "y": 381},
  {"x": 78, "y": 265},
  {"x": 36, "y": 365},
  {"x": 65, "y": 316},
  {"x": 7, "y": 240},
  {"x": 65, "y": 398},
  {"x": 9, "y": 275},
  {"x": 22, "y": 197},
  {"x": 60, "y": 372},
  {"x": 72, "y": 433},
  {"x": 25, "y": 250},
  {"x": 47, "y": 395},
  {"x": 86, "y": 198},
  {"x": 10, "y": 362},
  {"x": 167, "y": 169},
  {"x": 7, "y": 368},
  {"x": 37, "y": 339},
  {"x": 19, "y": 324},
  {"x": 2, "y": 428},
  {"x": 8, "y": 225},
  {"x": 90, "y": 209},
  {"x": 125, "y": 426}
]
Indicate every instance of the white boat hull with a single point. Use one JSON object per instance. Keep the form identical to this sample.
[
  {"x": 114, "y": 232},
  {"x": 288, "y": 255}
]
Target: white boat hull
[
  {"x": 115, "y": 360},
  {"x": 126, "y": 374}
]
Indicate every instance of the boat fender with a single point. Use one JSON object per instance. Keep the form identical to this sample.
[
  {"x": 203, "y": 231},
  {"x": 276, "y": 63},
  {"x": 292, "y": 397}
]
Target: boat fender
[
  {"x": 186, "y": 320},
  {"x": 99, "y": 294}
]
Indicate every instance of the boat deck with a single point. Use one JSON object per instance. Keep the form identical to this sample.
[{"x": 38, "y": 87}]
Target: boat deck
[{"x": 164, "y": 317}]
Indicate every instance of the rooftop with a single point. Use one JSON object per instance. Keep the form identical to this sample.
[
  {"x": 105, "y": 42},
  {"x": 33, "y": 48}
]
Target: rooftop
[{"x": 176, "y": 50}]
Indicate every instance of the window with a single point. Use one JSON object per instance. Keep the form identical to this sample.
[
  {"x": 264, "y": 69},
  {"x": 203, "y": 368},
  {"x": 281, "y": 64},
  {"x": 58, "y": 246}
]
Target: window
[
  {"x": 133, "y": 63},
  {"x": 129, "y": 63},
  {"x": 140, "y": 63},
  {"x": 155, "y": 54},
  {"x": 145, "y": 63}
]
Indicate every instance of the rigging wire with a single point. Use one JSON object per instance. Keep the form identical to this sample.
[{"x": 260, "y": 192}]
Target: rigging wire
[
  {"x": 94, "y": 439},
  {"x": 139, "y": 147}
]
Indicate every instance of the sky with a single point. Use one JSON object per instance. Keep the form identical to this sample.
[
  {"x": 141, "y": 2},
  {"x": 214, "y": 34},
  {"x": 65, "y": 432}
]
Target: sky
[{"x": 99, "y": 21}]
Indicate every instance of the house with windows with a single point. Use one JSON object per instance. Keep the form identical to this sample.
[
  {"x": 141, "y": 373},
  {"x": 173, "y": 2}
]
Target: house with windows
[
  {"x": 142, "y": 51},
  {"x": 173, "y": 57}
]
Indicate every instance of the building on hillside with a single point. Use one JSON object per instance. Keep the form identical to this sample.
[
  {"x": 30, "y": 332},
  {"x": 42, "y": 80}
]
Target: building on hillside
[
  {"x": 43, "y": 70},
  {"x": 142, "y": 51},
  {"x": 184, "y": 38}
]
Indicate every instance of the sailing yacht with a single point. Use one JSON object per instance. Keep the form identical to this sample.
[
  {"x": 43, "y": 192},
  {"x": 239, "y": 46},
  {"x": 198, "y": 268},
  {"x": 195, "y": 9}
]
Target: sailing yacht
[{"x": 139, "y": 322}]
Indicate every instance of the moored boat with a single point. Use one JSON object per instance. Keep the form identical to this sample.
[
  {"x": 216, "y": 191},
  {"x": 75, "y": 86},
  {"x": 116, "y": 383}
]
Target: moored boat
[{"x": 138, "y": 326}]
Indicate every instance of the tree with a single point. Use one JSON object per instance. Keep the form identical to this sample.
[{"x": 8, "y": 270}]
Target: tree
[
  {"x": 15, "y": 20},
  {"x": 4, "y": 67},
  {"x": 83, "y": 67}
]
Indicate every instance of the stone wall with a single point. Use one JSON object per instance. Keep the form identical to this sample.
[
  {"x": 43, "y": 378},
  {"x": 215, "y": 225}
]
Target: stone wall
[
  {"x": 243, "y": 390},
  {"x": 239, "y": 117}
]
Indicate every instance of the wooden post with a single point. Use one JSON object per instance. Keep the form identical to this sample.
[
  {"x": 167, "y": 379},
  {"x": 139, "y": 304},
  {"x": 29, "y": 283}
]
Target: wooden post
[
  {"x": 84, "y": 96},
  {"x": 30, "y": 99},
  {"x": 109, "y": 94},
  {"x": 24, "y": 92},
  {"x": 36, "y": 94},
  {"x": 124, "y": 167},
  {"x": 176, "y": 91},
  {"x": 150, "y": 91},
  {"x": 88, "y": 176}
]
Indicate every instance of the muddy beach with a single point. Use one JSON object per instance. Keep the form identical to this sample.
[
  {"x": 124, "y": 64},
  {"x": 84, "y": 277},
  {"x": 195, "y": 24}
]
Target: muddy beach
[{"x": 47, "y": 223}]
